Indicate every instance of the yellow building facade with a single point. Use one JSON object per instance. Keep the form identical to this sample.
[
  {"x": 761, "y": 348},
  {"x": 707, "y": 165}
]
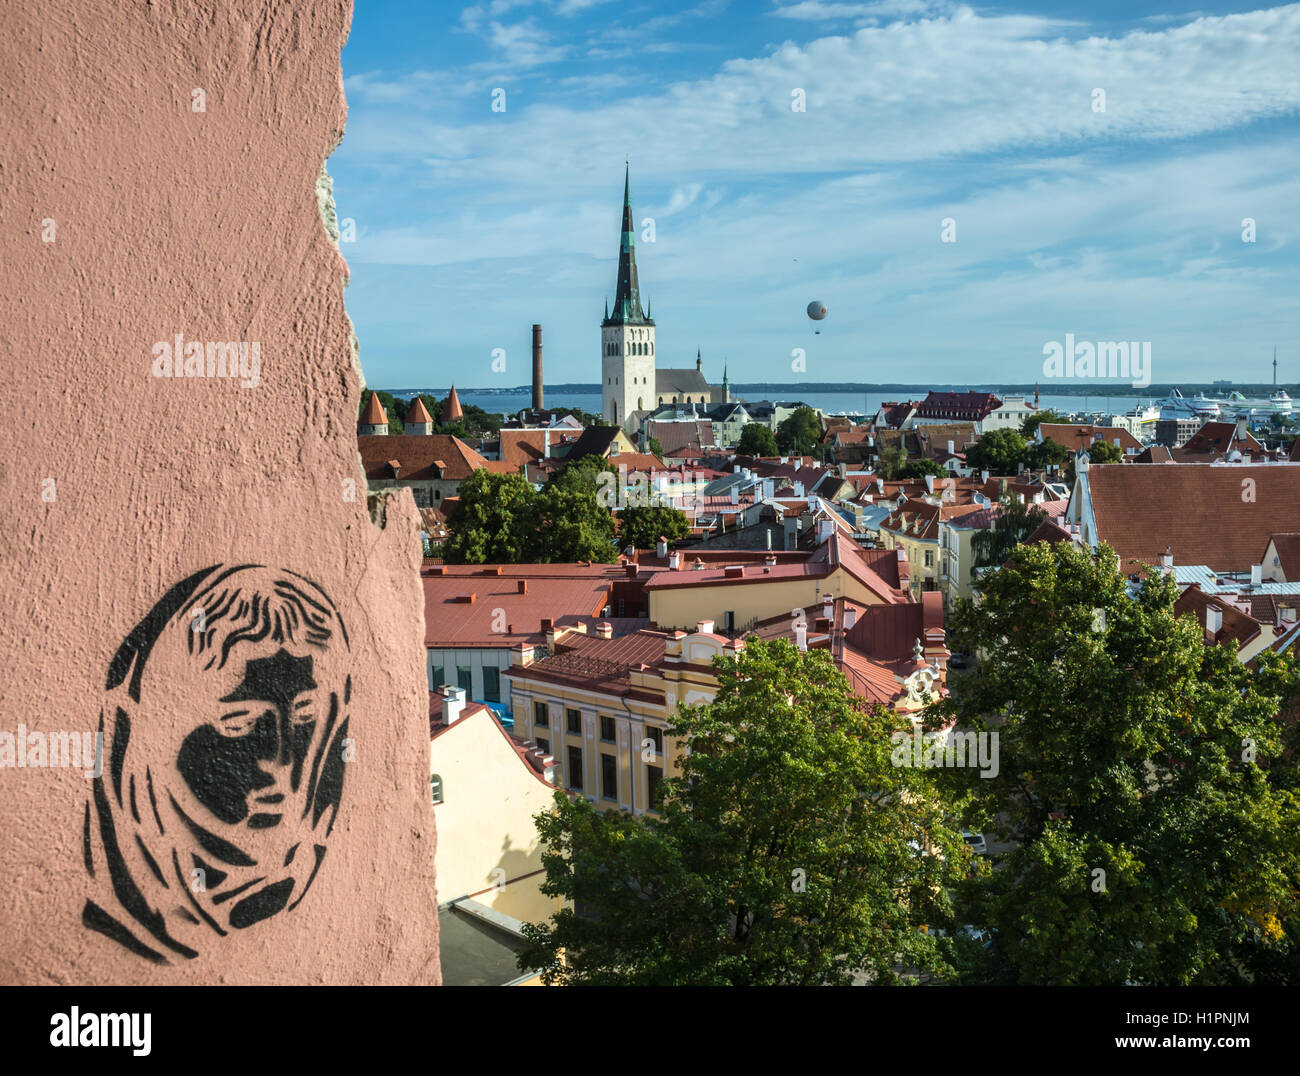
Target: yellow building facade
[{"x": 485, "y": 797}]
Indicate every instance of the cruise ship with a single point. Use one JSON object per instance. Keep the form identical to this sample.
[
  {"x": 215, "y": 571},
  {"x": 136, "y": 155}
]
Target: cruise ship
[
  {"x": 1176, "y": 405},
  {"x": 1277, "y": 404}
]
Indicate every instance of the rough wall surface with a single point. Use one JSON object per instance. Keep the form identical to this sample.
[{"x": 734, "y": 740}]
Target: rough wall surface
[{"x": 262, "y": 812}]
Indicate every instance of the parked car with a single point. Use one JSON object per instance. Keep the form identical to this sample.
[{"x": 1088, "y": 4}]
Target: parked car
[
  {"x": 976, "y": 841},
  {"x": 959, "y": 661}
]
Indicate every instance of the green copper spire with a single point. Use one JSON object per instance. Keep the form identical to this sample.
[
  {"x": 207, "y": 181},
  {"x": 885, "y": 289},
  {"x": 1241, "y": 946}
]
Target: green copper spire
[{"x": 627, "y": 299}]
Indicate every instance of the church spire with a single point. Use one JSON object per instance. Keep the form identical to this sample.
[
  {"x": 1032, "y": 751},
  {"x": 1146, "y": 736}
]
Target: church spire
[{"x": 627, "y": 300}]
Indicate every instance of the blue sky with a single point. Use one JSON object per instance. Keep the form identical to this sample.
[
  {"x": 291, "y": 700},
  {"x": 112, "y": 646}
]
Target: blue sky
[{"x": 1117, "y": 225}]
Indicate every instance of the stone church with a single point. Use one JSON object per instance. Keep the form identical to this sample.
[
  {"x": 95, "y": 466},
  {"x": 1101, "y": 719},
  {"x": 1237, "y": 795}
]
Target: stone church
[{"x": 631, "y": 386}]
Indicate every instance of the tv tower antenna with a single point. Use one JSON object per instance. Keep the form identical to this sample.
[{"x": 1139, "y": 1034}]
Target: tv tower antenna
[{"x": 1275, "y": 366}]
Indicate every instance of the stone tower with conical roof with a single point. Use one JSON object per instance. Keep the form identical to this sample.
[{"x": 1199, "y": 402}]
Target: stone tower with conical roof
[
  {"x": 418, "y": 420},
  {"x": 627, "y": 335},
  {"x": 374, "y": 420}
]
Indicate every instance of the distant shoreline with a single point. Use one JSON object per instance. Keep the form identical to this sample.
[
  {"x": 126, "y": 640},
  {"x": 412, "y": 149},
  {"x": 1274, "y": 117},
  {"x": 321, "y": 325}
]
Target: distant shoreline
[{"x": 773, "y": 390}]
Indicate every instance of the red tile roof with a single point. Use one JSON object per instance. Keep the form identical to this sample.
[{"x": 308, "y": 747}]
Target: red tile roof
[
  {"x": 418, "y": 413},
  {"x": 1287, "y": 548},
  {"x": 374, "y": 412},
  {"x": 1237, "y": 628},
  {"x": 464, "y": 610},
  {"x": 973, "y": 406},
  {"x": 1197, "y": 509},
  {"x": 1080, "y": 437},
  {"x": 1218, "y": 440},
  {"x": 417, "y": 455},
  {"x": 452, "y": 411}
]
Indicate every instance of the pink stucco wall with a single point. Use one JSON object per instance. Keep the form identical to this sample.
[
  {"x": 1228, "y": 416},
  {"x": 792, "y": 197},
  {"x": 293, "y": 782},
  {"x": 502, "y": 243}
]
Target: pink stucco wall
[{"x": 166, "y": 221}]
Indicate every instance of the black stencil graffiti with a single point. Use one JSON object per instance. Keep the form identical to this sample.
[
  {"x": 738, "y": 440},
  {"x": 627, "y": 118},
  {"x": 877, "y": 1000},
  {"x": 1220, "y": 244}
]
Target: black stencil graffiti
[{"x": 223, "y": 784}]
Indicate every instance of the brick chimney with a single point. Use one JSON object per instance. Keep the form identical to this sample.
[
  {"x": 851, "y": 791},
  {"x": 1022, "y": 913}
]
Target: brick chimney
[{"x": 537, "y": 368}]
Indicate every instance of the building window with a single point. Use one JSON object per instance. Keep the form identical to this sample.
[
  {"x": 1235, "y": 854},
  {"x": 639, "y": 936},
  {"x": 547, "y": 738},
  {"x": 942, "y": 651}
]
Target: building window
[
  {"x": 929, "y": 558},
  {"x": 491, "y": 683},
  {"x": 541, "y": 719},
  {"x": 653, "y": 775},
  {"x": 607, "y": 729},
  {"x": 465, "y": 679},
  {"x": 435, "y": 788},
  {"x": 575, "y": 768},
  {"x": 608, "y": 777},
  {"x": 437, "y": 678},
  {"x": 573, "y": 718},
  {"x": 655, "y": 736},
  {"x": 543, "y": 745}
]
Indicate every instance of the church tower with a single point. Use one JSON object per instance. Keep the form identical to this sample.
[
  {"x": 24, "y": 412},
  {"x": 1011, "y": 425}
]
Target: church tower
[{"x": 627, "y": 336}]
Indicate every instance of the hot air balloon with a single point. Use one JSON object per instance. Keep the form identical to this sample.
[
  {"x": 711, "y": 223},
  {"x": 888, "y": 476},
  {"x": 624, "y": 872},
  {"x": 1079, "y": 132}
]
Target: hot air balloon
[{"x": 817, "y": 311}]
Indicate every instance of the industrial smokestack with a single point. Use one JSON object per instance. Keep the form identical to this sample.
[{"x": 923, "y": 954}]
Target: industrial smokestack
[{"x": 537, "y": 368}]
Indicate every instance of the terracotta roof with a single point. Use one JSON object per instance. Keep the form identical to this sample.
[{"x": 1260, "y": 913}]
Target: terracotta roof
[
  {"x": 374, "y": 412},
  {"x": 973, "y": 406},
  {"x": 920, "y": 520},
  {"x": 1197, "y": 509},
  {"x": 416, "y": 456},
  {"x": 1080, "y": 437},
  {"x": 600, "y": 664},
  {"x": 418, "y": 413},
  {"x": 1237, "y": 627},
  {"x": 1287, "y": 548},
  {"x": 1049, "y": 531},
  {"x": 452, "y": 411},
  {"x": 1154, "y": 454},
  {"x": 466, "y": 610},
  {"x": 638, "y": 461},
  {"x": 1217, "y": 440},
  {"x": 520, "y": 447}
]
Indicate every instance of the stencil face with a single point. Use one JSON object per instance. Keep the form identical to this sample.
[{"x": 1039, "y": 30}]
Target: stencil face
[{"x": 225, "y": 760}]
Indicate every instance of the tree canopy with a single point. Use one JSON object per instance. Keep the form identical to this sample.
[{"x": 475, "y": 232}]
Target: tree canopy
[
  {"x": 643, "y": 526},
  {"x": 998, "y": 452},
  {"x": 756, "y": 439},
  {"x": 790, "y": 850},
  {"x": 1031, "y": 423},
  {"x": 1142, "y": 776},
  {"x": 799, "y": 433},
  {"x": 502, "y": 519}
]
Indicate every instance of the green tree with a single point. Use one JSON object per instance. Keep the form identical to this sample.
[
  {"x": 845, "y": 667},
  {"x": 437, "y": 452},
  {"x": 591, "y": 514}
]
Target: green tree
[
  {"x": 493, "y": 520},
  {"x": 1016, "y": 520},
  {"x": 572, "y": 521},
  {"x": 890, "y": 462},
  {"x": 1104, "y": 452},
  {"x": 1051, "y": 452},
  {"x": 1030, "y": 425},
  {"x": 1137, "y": 774},
  {"x": 998, "y": 452},
  {"x": 799, "y": 433},
  {"x": 642, "y": 527},
  {"x": 788, "y": 852},
  {"x": 919, "y": 468},
  {"x": 656, "y": 447},
  {"x": 756, "y": 439}
]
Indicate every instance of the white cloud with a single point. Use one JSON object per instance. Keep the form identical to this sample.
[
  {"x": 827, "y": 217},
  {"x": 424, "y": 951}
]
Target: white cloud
[{"x": 1068, "y": 220}]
